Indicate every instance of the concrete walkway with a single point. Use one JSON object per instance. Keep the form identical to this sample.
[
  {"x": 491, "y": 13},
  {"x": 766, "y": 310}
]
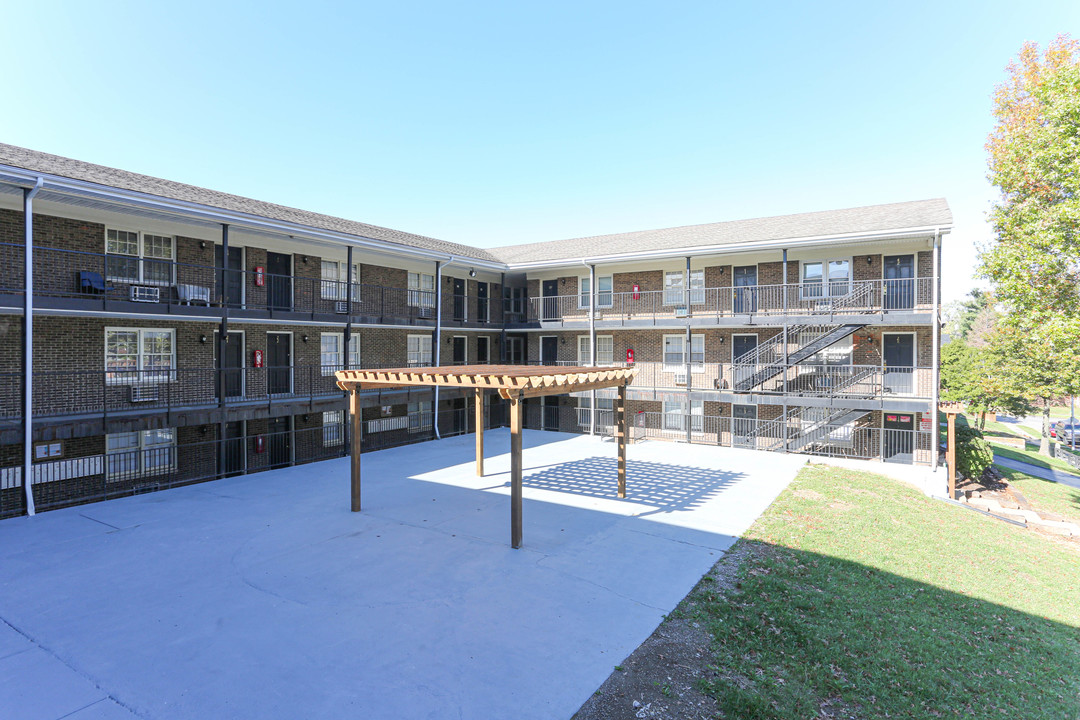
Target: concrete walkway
[
  {"x": 262, "y": 596},
  {"x": 1053, "y": 474}
]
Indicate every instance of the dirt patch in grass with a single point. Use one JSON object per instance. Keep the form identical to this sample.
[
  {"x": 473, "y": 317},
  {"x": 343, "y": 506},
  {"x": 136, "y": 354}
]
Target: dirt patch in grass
[{"x": 661, "y": 680}]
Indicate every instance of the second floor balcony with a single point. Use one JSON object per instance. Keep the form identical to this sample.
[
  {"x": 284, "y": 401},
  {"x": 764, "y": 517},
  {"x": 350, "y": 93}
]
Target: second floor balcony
[{"x": 738, "y": 305}]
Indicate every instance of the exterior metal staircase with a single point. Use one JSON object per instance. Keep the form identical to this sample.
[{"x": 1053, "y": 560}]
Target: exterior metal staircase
[
  {"x": 819, "y": 430},
  {"x": 767, "y": 360}
]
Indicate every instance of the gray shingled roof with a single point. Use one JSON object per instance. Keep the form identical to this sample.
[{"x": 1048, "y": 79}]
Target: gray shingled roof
[
  {"x": 99, "y": 174},
  {"x": 918, "y": 214},
  {"x": 894, "y": 216}
]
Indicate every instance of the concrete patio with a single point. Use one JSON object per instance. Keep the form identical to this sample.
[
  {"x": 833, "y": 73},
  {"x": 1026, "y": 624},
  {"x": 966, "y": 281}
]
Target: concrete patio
[{"x": 262, "y": 596}]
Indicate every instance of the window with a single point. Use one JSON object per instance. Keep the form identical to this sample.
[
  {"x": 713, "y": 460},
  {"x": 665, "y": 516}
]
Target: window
[
  {"x": 674, "y": 287},
  {"x": 605, "y": 352},
  {"x": 333, "y": 428},
  {"x": 603, "y": 291},
  {"x": 330, "y": 357},
  {"x": 483, "y": 350},
  {"x": 139, "y": 355},
  {"x": 136, "y": 454},
  {"x": 420, "y": 416},
  {"x": 675, "y": 415},
  {"x": 421, "y": 290},
  {"x": 674, "y": 355},
  {"x": 335, "y": 277},
  {"x": 419, "y": 350},
  {"x": 813, "y": 278},
  {"x": 132, "y": 257}
]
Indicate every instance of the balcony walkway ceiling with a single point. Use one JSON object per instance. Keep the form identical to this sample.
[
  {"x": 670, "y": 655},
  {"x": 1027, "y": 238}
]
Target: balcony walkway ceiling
[{"x": 514, "y": 383}]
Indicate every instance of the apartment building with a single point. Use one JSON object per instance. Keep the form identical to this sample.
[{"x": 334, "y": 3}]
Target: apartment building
[{"x": 166, "y": 334}]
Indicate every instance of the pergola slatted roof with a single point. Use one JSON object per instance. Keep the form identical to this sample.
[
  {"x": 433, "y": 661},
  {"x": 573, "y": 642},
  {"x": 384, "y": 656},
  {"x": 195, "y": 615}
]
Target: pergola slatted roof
[{"x": 514, "y": 383}]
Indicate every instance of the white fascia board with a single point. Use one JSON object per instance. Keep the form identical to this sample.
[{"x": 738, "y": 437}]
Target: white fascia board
[
  {"x": 734, "y": 248},
  {"x": 62, "y": 185}
]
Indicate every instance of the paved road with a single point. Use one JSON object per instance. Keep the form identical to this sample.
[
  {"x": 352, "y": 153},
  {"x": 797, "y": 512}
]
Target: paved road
[{"x": 1045, "y": 473}]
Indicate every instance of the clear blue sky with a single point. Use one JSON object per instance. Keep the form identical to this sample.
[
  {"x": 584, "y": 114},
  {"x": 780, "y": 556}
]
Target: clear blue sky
[{"x": 501, "y": 122}]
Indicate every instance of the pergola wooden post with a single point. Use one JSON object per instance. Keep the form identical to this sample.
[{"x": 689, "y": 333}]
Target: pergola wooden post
[
  {"x": 479, "y": 432},
  {"x": 951, "y": 410},
  {"x": 514, "y": 383}
]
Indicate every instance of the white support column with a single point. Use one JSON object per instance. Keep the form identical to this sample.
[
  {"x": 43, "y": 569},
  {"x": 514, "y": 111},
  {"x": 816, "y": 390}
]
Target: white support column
[
  {"x": 593, "y": 295},
  {"x": 935, "y": 374}
]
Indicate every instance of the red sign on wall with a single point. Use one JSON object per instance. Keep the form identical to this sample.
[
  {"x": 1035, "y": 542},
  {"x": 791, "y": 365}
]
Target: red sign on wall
[
  {"x": 257, "y": 358},
  {"x": 260, "y": 275}
]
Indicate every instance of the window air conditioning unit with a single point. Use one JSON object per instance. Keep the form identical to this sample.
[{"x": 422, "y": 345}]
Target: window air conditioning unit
[
  {"x": 341, "y": 307},
  {"x": 680, "y": 312},
  {"x": 144, "y": 393},
  {"x": 426, "y": 312},
  {"x": 144, "y": 293},
  {"x": 680, "y": 379}
]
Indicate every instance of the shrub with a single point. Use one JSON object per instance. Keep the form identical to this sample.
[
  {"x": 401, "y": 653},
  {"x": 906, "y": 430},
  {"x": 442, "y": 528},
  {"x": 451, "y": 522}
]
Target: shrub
[{"x": 973, "y": 453}]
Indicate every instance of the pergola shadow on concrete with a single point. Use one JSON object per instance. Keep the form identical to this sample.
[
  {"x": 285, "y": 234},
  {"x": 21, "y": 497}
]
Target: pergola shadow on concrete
[{"x": 514, "y": 383}]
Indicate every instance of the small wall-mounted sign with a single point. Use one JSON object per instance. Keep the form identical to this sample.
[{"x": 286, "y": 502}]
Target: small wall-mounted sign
[{"x": 43, "y": 451}]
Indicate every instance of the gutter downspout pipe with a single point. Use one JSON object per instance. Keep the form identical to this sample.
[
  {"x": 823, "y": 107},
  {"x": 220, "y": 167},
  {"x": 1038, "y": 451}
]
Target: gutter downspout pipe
[
  {"x": 28, "y": 344},
  {"x": 592, "y": 343}
]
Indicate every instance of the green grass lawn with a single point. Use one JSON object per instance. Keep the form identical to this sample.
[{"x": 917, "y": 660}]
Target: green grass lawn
[
  {"x": 1046, "y": 495},
  {"x": 860, "y": 597},
  {"x": 1032, "y": 456}
]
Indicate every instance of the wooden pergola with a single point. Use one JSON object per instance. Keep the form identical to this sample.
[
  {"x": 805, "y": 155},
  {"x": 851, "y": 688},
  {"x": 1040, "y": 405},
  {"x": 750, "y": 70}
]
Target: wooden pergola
[{"x": 514, "y": 383}]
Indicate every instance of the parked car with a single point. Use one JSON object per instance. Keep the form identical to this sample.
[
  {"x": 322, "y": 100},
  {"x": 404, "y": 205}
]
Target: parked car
[{"x": 1066, "y": 430}]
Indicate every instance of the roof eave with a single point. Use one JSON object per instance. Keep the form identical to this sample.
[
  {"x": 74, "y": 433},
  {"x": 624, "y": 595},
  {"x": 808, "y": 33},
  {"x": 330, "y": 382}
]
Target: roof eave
[
  {"x": 184, "y": 208},
  {"x": 732, "y": 248}
]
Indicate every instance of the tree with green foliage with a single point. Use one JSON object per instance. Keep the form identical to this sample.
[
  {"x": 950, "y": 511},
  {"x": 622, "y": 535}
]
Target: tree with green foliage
[
  {"x": 1034, "y": 261},
  {"x": 978, "y": 377},
  {"x": 962, "y": 315}
]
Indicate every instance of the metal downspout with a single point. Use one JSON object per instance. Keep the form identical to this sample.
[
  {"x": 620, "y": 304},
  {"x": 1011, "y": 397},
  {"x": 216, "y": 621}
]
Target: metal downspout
[
  {"x": 689, "y": 419},
  {"x": 349, "y": 280},
  {"x": 936, "y": 370},
  {"x": 28, "y": 345},
  {"x": 592, "y": 343},
  {"x": 435, "y": 351},
  {"x": 223, "y": 340}
]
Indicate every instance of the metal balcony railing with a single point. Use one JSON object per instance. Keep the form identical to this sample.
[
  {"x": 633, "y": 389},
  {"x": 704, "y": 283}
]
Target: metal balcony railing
[
  {"x": 76, "y": 274},
  {"x": 797, "y": 299}
]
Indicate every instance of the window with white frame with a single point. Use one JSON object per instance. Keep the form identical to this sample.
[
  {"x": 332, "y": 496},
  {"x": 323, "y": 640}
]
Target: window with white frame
[
  {"x": 675, "y": 287},
  {"x": 675, "y": 353},
  {"x": 603, "y": 291},
  {"x": 333, "y": 428},
  {"x": 418, "y": 349},
  {"x": 330, "y": 353},
  {"x": 605, "y": 350},
  {"x": 826, "y": 278},
  {"x": 420, "y": 416},
  {"x": 139, "y": 355},
  {"x": 421, "y": 290},
  {"x": 335, "y": 278},
  {"x": 675, "y": 415},
  {"x": 138, "y": 454},
  {"x": 134, "y": 257}
]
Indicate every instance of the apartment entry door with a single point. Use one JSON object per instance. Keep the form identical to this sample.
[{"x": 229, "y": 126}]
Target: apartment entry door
[
  {"x": 231, "y": 450},
  {"x": 745, "y": 281},
  {"x": 899, "y": 282},
  {"x": 279, "y": 280},
  {"x": 459, "y": 299},
  {"x": 741, "y": 347},
  {"x": 232, "y": 366},
  {"x": 899, "y": 356},
  {"x": 230, "y": 279},
  {"x": 549, "y": 349},
  {"x": 549, "y": 303},
  {"x": 279, "y": 363},
  {"x": 743, "y": 422},
  {"x": 551, "y": 412},
  {"x": 279, "y": 441},
  {"x": 899, "y": 430}
]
